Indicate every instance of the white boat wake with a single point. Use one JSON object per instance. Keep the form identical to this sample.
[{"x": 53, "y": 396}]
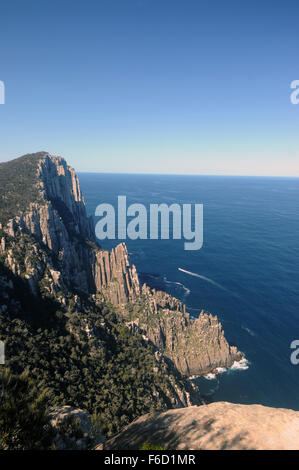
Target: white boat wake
[{"x": 204, "y": 278}]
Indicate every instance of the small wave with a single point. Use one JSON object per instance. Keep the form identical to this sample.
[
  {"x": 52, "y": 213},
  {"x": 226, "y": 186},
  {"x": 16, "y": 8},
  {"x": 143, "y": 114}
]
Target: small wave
[
  {"x": 187, "y": 291},
  {"x": 210, "y": 376},
  {"x": 249, "y": 331},
  {"x": 159, "y": 282},
  {"x": 243, "y": 364},
  {"x": 213, "y": 375}
]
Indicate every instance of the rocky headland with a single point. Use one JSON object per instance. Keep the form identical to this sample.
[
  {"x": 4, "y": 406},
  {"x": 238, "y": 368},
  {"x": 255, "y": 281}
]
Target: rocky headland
[{"x": 64, "y": 255}]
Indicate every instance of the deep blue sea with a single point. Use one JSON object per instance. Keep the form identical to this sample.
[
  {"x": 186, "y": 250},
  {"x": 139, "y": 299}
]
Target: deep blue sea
[{"x": 251, "y": 255}]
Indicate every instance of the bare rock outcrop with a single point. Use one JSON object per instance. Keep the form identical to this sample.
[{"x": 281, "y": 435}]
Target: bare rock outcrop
[
  {"x": 115, "y": 276},
  {"x": 195, "y": 346},
  {"x": 73, "y": 429},
  {"x": 217, "y": 426}
]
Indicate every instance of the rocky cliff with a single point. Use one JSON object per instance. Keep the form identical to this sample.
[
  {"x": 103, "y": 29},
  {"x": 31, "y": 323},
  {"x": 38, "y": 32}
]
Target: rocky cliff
[
  {"x": 50, "y": 243},
  {"x": 70, "y": 258},
  {"x": 217, "y": 426},
  {"x": 194, "y": 346}
]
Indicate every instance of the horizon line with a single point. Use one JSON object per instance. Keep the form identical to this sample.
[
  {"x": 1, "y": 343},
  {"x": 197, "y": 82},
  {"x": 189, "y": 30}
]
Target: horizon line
[{"x": 185, "y": 174}]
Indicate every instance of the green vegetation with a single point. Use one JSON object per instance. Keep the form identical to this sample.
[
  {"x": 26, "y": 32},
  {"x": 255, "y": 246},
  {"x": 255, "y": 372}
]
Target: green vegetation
[
  {"x": 69, "y": 430},
  {"x": 24, "y": 422},
  {"x": 18, "y": 185},
  {"x": 112, "y": 374},
  {"x": 148, "y": 446}
]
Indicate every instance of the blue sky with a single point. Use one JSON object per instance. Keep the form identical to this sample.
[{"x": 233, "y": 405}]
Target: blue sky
[{"x": 153, "y": 86}]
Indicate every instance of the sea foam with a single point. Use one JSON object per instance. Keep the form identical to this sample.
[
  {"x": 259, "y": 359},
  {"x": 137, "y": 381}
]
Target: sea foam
[{"x": 243, "y": 364}]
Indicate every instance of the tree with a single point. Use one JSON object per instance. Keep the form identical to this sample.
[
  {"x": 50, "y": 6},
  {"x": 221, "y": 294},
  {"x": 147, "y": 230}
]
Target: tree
[{"x": 24, "y": 422}]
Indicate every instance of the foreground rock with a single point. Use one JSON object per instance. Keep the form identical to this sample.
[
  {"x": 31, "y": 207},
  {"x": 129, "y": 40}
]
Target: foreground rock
[
  {"x": 74, "y": 429},
  {"x": 217, "y": 426}
]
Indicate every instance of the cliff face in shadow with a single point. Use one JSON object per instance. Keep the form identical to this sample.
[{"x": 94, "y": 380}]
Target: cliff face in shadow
[{"x": 49, "y": 242}]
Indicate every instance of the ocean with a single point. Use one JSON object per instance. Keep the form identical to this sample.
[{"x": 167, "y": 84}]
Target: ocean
[{"x": 247, "y": 272}]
